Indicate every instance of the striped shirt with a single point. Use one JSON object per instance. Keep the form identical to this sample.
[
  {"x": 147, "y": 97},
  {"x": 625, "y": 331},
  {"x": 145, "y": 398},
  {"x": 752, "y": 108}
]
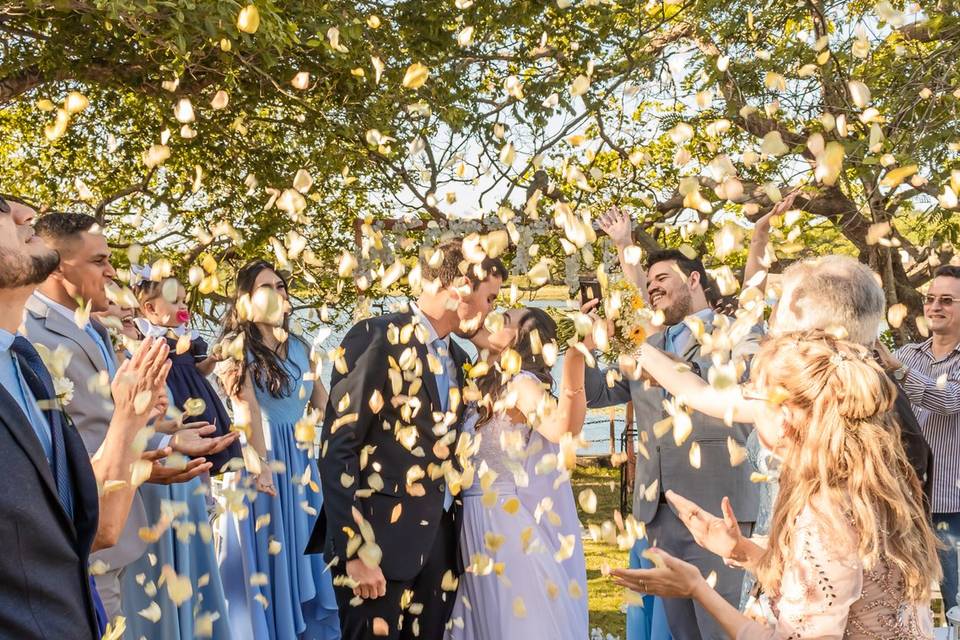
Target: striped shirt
[{"x": 933, "y": 386}]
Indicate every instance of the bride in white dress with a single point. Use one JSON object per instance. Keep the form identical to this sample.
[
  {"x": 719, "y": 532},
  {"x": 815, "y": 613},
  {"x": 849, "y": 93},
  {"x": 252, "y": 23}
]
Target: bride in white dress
[{"x": 525, "y": 573}]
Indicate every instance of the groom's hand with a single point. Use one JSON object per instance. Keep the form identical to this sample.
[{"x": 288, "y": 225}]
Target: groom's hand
[{"x": 370, "y": 581}]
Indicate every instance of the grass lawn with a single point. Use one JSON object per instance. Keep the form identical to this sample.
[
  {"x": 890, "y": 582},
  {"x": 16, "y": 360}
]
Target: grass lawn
[{"x": 606, "y": 601}]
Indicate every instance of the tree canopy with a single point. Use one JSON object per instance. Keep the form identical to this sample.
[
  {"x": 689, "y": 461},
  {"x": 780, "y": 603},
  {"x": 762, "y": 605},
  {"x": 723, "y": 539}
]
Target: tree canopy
[{"x": 304, "y": 130}]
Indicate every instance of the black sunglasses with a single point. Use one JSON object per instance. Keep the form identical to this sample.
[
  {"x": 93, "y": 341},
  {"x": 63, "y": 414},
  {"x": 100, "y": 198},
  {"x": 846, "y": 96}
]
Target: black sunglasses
[{"x": 4, "y": 207}]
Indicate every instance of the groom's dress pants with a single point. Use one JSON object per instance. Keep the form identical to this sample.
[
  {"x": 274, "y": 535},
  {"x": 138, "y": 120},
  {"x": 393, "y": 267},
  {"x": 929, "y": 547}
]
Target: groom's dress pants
[
  {"x": 687, "y": 619},
  {"x": 357, "y": 623}
]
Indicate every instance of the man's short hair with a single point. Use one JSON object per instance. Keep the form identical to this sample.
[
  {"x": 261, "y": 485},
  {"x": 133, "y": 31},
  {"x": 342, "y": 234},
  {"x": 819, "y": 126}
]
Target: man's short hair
[
  {"x": 454, "y": 266},
  {"x": 6, "y": 199},
  {"x": 57, "y": 228},
  {"x": 831, "y": 291},
  {"x": 686, "y": 266},
  {"x": 947, "y": 271}
]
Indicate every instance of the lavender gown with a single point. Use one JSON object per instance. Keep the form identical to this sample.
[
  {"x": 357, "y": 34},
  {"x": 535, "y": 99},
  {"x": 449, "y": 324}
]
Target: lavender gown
[{"x": 519, "y": 590}]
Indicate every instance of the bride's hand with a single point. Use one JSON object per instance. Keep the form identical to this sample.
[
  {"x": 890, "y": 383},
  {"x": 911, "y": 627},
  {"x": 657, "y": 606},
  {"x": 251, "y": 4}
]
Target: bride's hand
[
  {"x": 590, "y": 309},
  {"x": 718, "y": 535}
]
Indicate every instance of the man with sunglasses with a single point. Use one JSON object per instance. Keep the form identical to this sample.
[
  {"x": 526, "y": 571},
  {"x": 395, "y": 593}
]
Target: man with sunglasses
[{"x": 929, "y": 372}]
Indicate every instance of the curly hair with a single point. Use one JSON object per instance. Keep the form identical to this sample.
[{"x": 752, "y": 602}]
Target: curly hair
[{"x": 844, "y": 447}]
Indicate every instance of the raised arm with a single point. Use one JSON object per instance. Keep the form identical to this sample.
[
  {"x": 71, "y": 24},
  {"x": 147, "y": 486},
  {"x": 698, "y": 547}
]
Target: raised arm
[
  {"x": 758, "y": 249},
  {"x": 142, "y": 377},
  {"x": 566, "y": 415},
  {"x": 761, "y": 236},
  {"x": 619, "y": 227},
  {"x": 679, "y": 380},
  {"x": 599, "y": 394}
]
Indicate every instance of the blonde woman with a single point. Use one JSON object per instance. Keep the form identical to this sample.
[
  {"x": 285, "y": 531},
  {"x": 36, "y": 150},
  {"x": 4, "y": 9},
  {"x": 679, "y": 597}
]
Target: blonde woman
[{"x": 851, "y": 553}]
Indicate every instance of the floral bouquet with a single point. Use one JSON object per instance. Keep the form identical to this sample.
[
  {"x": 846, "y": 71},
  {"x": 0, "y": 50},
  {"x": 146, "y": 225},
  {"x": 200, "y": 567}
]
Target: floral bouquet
[{"x": 633, "y": 320}]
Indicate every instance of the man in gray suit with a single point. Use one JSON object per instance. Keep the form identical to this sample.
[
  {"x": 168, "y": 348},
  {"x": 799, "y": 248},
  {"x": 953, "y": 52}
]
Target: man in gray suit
[
  {"x": 52, "y": 319},
  {"x": 676, "y": 285}
]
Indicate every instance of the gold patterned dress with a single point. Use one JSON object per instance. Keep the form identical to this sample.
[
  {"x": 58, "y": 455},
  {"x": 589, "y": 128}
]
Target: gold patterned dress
[{"x": 827, "y": 594}]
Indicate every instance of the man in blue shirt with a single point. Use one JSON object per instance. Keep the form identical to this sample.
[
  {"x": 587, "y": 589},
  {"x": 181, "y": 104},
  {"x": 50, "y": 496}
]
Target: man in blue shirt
[
  {"x": 51, "y": 513},
  {"x": 678, "y": 286},
  {"x": 56, "y": 318}
]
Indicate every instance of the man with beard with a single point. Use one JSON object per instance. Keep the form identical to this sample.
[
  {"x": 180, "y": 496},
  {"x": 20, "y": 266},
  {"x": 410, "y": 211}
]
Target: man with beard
[
  {"x": 51, "y": 516},
  {"x": 54, "y": 318},
  {"x": 390, "y": 524},
  {"x": 676, "y": 285}
]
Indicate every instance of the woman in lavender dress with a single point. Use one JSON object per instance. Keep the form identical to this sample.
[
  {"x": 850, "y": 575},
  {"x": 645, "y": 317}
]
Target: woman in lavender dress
[{"x": 525, "y": 570}]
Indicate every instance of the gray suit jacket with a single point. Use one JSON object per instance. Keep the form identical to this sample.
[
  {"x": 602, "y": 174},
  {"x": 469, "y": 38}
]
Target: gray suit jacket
[
  {"x": 90, "y": 411},
  {"x": 669, "y": 464}
]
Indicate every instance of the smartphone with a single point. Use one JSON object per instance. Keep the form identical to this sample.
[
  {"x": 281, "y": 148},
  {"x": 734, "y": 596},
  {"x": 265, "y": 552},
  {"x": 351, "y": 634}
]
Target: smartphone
[{"x": 589, "y": 290}]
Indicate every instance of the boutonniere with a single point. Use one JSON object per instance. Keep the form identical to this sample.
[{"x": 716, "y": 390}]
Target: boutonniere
[
  {"x": 472, "y": 370},
  {"x": 56, "y": 362}
]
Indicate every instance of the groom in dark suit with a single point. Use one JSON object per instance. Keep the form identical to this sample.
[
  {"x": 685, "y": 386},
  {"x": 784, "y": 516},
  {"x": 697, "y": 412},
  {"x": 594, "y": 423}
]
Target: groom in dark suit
[
  {"x": 390, "y": 521},
  {"x": 51, "y": 513}
]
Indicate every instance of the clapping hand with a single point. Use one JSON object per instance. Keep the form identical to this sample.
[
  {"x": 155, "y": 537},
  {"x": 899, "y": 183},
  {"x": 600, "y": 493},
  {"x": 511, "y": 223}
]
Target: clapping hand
[
  {"x": 193, "y": 440},
  {"x": 139, "y": 383},
  {"x": 160, "y": 408},
  {"x": 161, "y": 474},
  {"x": 618, "y": 226},
  {"x": 671, "y": 577},
  {"x": 719, "y": 535}
]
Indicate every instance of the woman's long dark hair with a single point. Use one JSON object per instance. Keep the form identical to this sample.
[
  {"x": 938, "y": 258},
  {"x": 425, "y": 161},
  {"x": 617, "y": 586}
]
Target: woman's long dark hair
[
  {"x": 491, "y": 385},
  {"x": 265, "y": 365}
]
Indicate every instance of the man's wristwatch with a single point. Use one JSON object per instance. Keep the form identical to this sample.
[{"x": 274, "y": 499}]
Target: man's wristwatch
[{"x": 901, "y": 373}]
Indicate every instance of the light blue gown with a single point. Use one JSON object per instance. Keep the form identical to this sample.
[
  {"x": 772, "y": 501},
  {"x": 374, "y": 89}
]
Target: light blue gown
[
  {"x": 297, "y": 600},
  {"x": 648, "y": 622},
  {"x": 187, "y": 547},
  {"x": 530, "y": 595}
]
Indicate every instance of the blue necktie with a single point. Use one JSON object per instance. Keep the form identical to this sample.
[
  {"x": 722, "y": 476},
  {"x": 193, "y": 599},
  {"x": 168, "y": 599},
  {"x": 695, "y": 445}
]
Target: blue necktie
[
  {"x": 41, "y": 385},
  {"x": 104, "y": 349},
  {"x": 669, "y": 343},
  {"x": 443, "y": 379},
  {"x": 443, "y": 387}
]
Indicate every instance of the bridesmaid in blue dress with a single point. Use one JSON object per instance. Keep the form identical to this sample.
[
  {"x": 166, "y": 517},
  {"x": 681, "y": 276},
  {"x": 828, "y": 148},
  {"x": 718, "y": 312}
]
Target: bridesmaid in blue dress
[
  {"x": 276, "y": 592},
  {"x": 182, "y": 562},
  {"x": 521, "y": 538}
]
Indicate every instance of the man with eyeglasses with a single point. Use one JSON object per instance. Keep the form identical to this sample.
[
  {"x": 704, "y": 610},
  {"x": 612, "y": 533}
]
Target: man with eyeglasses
[{"x": 929, "y": 372}]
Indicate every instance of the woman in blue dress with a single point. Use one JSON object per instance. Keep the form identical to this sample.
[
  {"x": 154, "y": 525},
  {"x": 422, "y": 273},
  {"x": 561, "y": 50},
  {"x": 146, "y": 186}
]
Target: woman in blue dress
[
  {"x": 276, "y": 592},
  {"x": 174, "y": 591},
  {"x": 521, "y": 538}
]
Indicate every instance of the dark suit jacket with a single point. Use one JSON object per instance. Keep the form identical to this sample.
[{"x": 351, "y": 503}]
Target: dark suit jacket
[
  {"x": 44, "y": 585},
  {"x": 396, "y": 444},
  {"x": 918, "y": 451}
]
